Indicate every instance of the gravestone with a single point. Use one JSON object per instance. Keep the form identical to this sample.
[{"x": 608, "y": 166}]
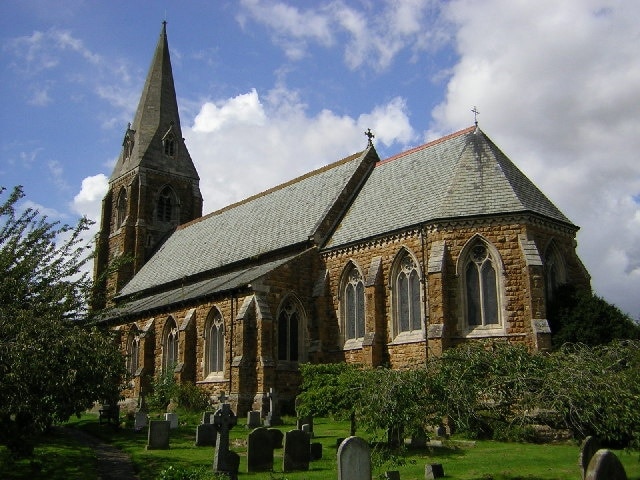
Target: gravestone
[
  {"x": 306, "y": 428},
  {"x": 588, "y": 449},
  {"x": 307, "y": 420},
  {"x": 158, "y": 437},
  {"x": 354, "y": 459},
  {"x": 253, "y": 419},
  {"x": 206, "y": 417},
  {"x": 433, "y": 470},
  {"x": 140, "y": 421},
  {"x": 276, "y": 437},
  {"x": 206, "y": 435},
  {"x": 259, "y": 451},
  {"x": 224, "y": 460},
  {"x": 605, "y": 466},
  {"x": 172, "y": 418},
  {"x": 297, "y": 451},
  {"x": 419, "y": 440},
  {"x": 273, "y": 417},
  {"x": 392, "y": 475},
  {"x": 315, "y": 452}
]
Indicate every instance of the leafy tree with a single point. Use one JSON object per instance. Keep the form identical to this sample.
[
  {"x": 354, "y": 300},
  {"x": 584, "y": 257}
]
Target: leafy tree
[
  {"x": 579, "y": 316},
  {"x": 51, "y": 364}
]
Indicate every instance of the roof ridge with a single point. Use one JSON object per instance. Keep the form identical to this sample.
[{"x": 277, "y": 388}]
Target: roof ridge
[
  {"x": 428, "y": 144},
  {"x": 274, "y": 189}
]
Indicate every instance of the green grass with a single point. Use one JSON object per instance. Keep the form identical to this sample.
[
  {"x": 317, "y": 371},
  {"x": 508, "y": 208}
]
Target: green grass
[{"x": 60, "y": 457}]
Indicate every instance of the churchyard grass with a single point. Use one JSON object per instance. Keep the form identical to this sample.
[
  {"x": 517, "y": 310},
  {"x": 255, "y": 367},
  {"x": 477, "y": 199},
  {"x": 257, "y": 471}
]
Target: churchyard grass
[{"x": 486, "y": 460}]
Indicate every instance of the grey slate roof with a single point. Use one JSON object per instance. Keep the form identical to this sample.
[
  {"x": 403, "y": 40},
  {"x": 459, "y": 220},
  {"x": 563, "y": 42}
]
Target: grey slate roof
[
  {"x": 279, "y": 218},
  {"x": 461, "y": 175},
  {"x": 209, "y": 286}
]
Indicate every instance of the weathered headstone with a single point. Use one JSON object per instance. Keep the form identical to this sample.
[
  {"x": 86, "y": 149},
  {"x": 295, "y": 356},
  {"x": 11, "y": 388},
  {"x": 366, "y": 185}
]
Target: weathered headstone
[
  {"x": 605, "y": 466},
  {"x": 392, "y": 475},
  {"x": 259, "y": 451},
  {"x": 206, "y": 417},
  {"x": 315, "y": 452},
  {"x": 588, "y": 449},
  {"x": 433, "y": 470},
  {"x": 172, "y": 418},
  {"x": 253, "y": 419},
  {"x": 354, "y": 460},
  {"x": 224, "y": 460},
  {"x": 277, "y": 437},
  {"x": 306, "y": 420},
  {"x": 206, "y": 435},
  {"x": 296, "y": 451},
  {"x": 273, "y": 417},
  {"x": 140, "y": 421},
  {"x": 306, "y": 428},
  {"x": 158, "y": 436}
]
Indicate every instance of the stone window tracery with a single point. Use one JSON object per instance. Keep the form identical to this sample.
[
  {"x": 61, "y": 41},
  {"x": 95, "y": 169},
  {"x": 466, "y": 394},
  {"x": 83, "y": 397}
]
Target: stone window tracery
[
  {"x": 214, "y": 344},
  {"x": 407, "y": 296},
  {"x": 291, "y": 329},
  {"x": 353, "y": 307},
  {"x": 170, "y": 345}
]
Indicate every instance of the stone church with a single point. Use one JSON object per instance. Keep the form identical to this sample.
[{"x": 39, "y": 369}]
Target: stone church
[{"x": 365, "y": 260}]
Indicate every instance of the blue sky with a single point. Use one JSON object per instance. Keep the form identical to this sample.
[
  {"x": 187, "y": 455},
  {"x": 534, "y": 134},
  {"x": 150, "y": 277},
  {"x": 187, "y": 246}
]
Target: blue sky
[{"x": 271, "y": 89}]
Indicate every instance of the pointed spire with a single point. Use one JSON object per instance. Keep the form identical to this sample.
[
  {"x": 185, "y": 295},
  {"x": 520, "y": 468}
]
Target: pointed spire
[{"x": 157, "y": 120}]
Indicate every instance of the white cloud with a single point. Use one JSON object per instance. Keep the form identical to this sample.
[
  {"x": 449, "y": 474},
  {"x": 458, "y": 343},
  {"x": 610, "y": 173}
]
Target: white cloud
[
  {"x": 556, "y": 86},
  {"x": 88, "y": 202},
  {"x": 244, "y": 145}
]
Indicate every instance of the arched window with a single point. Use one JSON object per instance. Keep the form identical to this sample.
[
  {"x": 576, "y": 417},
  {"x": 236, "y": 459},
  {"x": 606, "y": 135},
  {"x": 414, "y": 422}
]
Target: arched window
[
  {"x": 353, "y": 304},
  {"x": 170, "y": 345},
  {"x": 165, "y": 208},
  {"x": 554, "y": 270},
  {"x": 133, "y": 351},
  {"x": 481, "y": 286},
  {"x": 121, "y": 207},
  {"x": 291, "y": 327},
  {"x": 406, "y": 294},
  {"x": 214, "y": 344}
]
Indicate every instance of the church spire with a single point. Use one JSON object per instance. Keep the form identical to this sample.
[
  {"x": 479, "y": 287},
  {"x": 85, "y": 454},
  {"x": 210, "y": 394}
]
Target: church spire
[{"x": 156, "y": 132}]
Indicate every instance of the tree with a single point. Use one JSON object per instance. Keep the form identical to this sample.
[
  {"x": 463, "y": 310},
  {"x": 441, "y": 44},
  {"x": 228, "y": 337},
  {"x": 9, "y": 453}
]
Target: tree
[
  {"x": 52, "y": 365},
  {"x": 579, "y": 316}
]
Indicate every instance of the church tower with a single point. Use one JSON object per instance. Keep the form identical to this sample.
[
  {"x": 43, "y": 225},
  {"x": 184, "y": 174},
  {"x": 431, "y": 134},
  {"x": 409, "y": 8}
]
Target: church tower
[{"x": 154, "y": 186}]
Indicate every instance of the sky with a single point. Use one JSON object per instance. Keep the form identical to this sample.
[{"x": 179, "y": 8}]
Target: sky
[{"x": 270, "y": 89}]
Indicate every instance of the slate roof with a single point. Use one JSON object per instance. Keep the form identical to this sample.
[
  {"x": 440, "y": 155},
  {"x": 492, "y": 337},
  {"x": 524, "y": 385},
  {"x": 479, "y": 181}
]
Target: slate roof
[
  {"x": 462, "y": 175},
  {"x": 209, "y": 286},
  {"x": 288, "y": 215}
]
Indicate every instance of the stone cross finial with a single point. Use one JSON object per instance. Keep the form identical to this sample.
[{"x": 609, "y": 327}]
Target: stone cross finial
[
  {"x": 371, "y": 136},
  {"x": 222, "y": 397},
  {"x": 475, "y": 112}
]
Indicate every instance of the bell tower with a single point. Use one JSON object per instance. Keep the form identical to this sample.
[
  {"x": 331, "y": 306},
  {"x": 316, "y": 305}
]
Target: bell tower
[{"x": 154, "y": 186}]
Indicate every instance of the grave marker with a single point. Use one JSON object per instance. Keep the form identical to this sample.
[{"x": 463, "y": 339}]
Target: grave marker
[
  {"x": 588, "y": 449},
  {"x": 224, "y": 460},
  {"x": 206, "y": 435},
  {"x": 297, "y": 451},
  {"x": 172, "y": 418},
  {"x": 433, "y": 470},
  {"x": 140, "y": 421},
  {"x": 277, "y": 437},
  {"x": 354, "y": 459},
  {"x": 158, "y": 436},
  {"x": 273, "y": 417},
  {"x": 253, "y": 419},
  {"x": 259, "y": 451},
  {"x": 605, "y": 466}
]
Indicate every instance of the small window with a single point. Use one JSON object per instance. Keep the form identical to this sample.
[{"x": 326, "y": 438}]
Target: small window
[
  {"x": 169, "y": 146},
  {"x": 214, "y": 344},
  {"x": 121, "y": 207},
  {"x": 554, "y": 270},
  {"x": 133, "y": 352},
  {"x": 353, "y": 310},
  {"x": 481, "y": 287},
  {"x": 291, "y": 327},
  {"x": 170, "y": 345},
  {"x": 165, "y": 205},
  {"x": 407, "y": 304}
]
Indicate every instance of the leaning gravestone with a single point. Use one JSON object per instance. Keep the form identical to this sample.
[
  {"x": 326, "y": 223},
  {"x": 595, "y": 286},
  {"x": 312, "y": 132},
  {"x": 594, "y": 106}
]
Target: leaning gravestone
[
  {"x": 433, "y": 470},
  {"x": 259, "y": 451},
  {"x": 296, "y": 451},
  {"x": 172, "y": 418},
  {"x": 354, "y": 460},
  {"x": 605, "y": 466},
  {"x": 276, "y": 437},
  {"x": 224, "y": 460},
  {"x": 158, "y": 437},
  {"x": 588, "y": 449},
  {"x": 206, "y": 435}
]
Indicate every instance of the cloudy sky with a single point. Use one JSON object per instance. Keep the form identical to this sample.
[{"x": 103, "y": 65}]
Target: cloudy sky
[{"x": 271, "y": 89}]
